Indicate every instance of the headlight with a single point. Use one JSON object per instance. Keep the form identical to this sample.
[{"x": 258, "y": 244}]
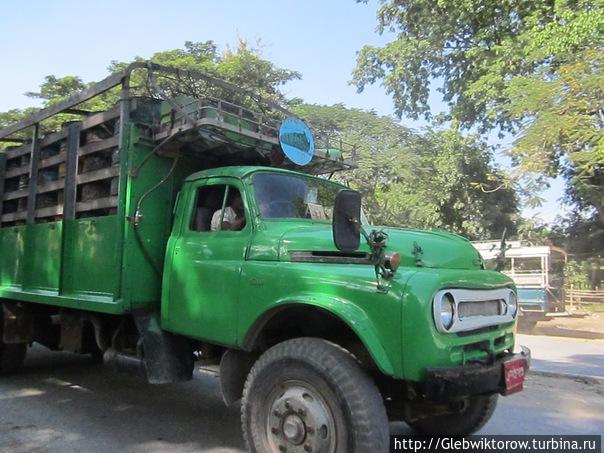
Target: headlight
[
  {"x": 447, "y": 310},
  {"x": 512, "y": 305}
]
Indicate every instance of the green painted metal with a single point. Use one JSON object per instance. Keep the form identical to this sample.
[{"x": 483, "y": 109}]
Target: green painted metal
[
  {"x": 424, "y": 346},
  {"x": 221, "y": 286},
  {"x": 217, "y": 288},
  {"x": 91, "y": 249},
  {"x": 97, "y": 263},
  {"x": 42, "y": 256},
  {"x": 205, "y": 274},
  {"x": 12, "y": 244}
]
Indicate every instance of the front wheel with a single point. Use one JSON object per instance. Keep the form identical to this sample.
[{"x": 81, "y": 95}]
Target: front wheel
[
  {"x": 473, "y": 415},
  {"x": 307, "y": 394}
]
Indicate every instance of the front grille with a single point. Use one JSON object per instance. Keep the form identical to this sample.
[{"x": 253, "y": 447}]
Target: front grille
[
  {"x": 473, "y": 309},
  {"x": 492, "y": 307}
]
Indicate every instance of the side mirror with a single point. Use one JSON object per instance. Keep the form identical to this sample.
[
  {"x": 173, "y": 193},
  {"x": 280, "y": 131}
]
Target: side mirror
[{"x": 347, "y": 220}]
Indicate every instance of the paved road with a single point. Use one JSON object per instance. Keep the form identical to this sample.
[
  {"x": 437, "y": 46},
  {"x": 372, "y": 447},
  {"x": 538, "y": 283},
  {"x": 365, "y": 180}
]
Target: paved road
[
  {"x": 66, "y": 403},
  {"x": 565, "y": 355}
]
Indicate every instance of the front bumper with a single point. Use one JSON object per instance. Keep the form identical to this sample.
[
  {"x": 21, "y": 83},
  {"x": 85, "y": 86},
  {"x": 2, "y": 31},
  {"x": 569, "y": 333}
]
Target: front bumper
[{"x": 474, "y": 379}]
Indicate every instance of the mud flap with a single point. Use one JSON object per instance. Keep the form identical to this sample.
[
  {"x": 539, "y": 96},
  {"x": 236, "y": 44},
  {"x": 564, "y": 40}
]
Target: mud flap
[
  {"x": 166, "y": 357},
  {"x": 234, "y": 368}
]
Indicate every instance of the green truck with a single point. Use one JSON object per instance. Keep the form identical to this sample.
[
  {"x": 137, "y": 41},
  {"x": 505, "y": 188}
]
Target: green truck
[{"x": 172, "y": 231}]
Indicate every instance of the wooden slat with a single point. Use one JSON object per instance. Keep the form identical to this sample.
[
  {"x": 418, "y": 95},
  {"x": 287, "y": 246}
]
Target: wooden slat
[
  {"x": 100, "y": 118},
  {"x": 100, "y": 203},
  {"x": 49, "y": 212},
  {"x": 96, "y": 89},
  {"x": 94, "y": 147},
  {"x": 51, "y": 186},
  {"x": 33, "y": 174},
  {"x": 17, "y": 171},
  {"x": 16, "y": 194},
  {"x": 52, "y": 138},
  {"x": 51, "y": 161},
  {"x": 92, "y": 121},
  {"x": 17, "y": 152},
  {"x": 21, "y": 215},
  {"x": 104, "y": 173},
  {"x": 71, "y": 171}
]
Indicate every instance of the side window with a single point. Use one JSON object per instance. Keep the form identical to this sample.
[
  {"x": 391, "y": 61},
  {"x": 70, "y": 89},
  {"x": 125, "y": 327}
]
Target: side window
[{"x": 218, "y": 207}]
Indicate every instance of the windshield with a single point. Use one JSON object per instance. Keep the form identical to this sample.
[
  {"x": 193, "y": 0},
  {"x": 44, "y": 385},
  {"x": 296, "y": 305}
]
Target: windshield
[{"x": 282, "y": 196}]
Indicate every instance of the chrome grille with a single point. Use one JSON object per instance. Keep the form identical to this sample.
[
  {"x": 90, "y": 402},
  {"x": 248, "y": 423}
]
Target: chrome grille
[{"x": 491, "y": 307}]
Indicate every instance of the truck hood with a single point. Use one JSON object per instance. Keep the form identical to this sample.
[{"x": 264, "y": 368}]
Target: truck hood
[{"x": 421, "y": 248}]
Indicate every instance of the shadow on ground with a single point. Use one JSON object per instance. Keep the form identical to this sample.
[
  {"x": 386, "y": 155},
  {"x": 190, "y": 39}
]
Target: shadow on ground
[{"x": 96, "y": 404}]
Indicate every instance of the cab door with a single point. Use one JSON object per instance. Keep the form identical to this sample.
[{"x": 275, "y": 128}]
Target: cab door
[{"x": 206, "y": 266}]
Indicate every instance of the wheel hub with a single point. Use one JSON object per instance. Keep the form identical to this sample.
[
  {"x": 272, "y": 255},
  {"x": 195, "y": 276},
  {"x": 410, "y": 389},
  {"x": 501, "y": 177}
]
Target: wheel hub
[
  {"x": 299, "y": 420},
  {"x": 294, "y": 429}
]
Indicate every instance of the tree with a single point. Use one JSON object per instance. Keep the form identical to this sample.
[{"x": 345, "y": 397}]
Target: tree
[
  {"x": 438, "y": 179},
  {"x": 527, "y": 67},
  {"x": 242, "y": 66}
]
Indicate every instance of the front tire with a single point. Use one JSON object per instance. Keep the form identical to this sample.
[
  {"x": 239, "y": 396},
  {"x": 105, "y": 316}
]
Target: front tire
[
  {"x": 307, "y": 394},
  {"x": 476, "y": 413}
]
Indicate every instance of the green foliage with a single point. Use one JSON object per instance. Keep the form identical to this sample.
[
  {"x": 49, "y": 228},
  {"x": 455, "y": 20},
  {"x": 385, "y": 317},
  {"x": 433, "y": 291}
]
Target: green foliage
[
  {"x": 575, "y": 275},
  {"x": 242, "y": 66},
  {"x": 527, "y": 67},
  {"x": 438, "y": 179},
  {"x": 533, "y": 231}
]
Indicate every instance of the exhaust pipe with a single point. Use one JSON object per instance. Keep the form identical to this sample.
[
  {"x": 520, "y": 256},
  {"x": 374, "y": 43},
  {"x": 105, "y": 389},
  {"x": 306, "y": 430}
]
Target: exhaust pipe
[{"x": 124, "y": 363}]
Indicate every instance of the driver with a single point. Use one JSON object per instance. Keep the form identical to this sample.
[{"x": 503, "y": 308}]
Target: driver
[{"x": 234, "y": 215}]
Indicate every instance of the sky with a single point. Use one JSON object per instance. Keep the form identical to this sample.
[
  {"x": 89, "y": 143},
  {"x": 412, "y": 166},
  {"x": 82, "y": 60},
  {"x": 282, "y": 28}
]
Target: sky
[{"x": 318, "y": 38}]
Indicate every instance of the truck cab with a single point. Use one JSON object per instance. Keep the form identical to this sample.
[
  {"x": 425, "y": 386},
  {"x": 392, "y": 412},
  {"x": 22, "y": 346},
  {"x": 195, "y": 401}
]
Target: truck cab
[{"x": 208, "y": 242}]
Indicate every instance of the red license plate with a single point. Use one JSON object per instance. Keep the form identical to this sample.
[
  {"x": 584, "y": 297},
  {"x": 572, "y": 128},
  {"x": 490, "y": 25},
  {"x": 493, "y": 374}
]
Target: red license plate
[{"x": 513, "y": 372}]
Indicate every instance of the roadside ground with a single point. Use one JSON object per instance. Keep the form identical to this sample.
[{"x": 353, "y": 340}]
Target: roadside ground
[{"x": 67, "y": 403}]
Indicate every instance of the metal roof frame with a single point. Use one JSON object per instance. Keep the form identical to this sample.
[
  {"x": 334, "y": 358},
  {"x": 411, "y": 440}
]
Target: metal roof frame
[{"x": 123, "y": 78}]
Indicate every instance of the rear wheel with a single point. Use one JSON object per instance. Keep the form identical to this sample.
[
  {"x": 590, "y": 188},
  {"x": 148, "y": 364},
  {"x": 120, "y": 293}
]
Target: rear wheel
[
  {"x": 306, "y": 395},
  {"x": 474, "y": 414}
]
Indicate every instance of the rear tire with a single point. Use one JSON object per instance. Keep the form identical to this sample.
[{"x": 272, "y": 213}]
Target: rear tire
[
  {"x": 474, "y": 416},
  {"x": 307, "y": 394}
]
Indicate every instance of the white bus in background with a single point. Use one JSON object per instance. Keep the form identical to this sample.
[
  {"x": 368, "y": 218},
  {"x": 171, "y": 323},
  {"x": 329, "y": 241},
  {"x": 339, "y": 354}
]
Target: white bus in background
[{"x": 537, "y": 272}]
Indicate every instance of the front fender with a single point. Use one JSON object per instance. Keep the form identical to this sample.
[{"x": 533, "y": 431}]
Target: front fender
[{"x": 349, "y": 313}]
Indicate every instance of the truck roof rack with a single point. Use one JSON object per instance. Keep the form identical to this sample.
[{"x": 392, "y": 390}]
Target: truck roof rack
[
  {"x": 76, "y": 171},
  {"x": 216, "y": 119}
]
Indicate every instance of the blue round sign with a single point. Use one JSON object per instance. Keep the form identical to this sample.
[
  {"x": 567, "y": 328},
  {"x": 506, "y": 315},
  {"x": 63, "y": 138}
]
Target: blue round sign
[{"x": 297, "y": 141}]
